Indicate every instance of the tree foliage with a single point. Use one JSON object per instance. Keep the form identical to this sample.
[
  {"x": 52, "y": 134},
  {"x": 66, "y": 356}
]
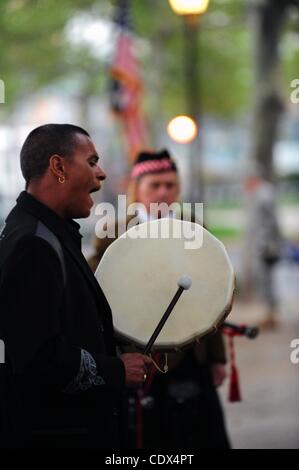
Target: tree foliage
[{"x": 34, "y": 52}]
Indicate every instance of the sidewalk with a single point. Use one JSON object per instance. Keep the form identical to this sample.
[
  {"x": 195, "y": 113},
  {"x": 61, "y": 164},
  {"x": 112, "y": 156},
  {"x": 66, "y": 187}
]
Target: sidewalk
[{"x": 268, "y": 416}]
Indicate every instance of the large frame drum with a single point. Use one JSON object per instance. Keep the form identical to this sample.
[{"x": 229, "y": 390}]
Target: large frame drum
[{"x": 139, "y": 273}]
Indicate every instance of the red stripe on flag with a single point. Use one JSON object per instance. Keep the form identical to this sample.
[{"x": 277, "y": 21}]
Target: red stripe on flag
[{"x": 125, "y": 70}]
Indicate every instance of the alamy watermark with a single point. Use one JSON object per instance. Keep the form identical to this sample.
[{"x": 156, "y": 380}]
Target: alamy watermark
[
  {"x": 295, "y": 94},
  {"x": 294, "y": 357},
  {"x": 2, "y": 92},
  {"x": 2, "y": 352},
  {"x": 188, "y": 212}
]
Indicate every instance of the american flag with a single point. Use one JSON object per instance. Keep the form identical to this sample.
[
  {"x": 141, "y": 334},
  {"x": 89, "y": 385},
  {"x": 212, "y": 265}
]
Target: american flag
[{"x": 125, "y": 85}]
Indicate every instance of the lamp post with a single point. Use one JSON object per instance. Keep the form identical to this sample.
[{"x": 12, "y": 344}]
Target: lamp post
[{"x": 191, "y": 11}]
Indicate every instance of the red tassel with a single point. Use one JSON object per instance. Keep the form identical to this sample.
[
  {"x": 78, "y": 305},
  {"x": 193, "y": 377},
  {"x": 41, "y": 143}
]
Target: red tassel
[
  {"x": 139, "y": 419},
  {"x": 234, "y": 386}
]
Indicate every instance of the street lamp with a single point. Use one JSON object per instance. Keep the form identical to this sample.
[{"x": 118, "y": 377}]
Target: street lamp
[
  {"x": 191, "y": 11},
  {"x": 189, "y": 7},
  {"x": 182, "y": 129}
]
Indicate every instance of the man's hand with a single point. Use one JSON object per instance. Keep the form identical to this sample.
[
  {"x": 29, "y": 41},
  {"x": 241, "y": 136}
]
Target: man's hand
[
  {"x": 218, "y": 374},
  {"x": 136, "y": 368}
]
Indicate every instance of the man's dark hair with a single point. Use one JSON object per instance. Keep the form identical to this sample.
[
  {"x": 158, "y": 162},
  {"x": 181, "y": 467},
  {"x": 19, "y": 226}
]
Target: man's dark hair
[{"x": 42, "y": 143}]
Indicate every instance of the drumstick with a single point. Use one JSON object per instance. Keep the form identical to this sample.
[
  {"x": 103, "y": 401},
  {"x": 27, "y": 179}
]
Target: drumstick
[{"x": 184, "y": 283}]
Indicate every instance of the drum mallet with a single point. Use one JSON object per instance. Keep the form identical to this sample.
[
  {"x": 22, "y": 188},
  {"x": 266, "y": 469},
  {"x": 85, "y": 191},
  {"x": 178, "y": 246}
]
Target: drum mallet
[{"x": 184, "y": 283}]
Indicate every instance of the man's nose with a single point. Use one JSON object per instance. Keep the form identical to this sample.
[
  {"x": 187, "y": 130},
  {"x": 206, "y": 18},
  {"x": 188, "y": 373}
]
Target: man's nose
[
  {"x": 101, "y": 175},
  {"x": 163, "y": 191}
]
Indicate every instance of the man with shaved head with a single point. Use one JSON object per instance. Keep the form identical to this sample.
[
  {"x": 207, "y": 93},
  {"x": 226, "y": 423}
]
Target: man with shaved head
[{"x": 62, "y": 384}]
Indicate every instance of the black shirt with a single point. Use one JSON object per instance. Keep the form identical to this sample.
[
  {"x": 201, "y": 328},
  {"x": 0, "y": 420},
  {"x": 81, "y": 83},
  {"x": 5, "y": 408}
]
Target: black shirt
[{"x": 61, "y": 371}]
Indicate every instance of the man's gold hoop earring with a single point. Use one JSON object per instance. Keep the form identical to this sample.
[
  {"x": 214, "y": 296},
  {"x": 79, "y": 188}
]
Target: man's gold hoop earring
[{"x": 61, "y": 179}]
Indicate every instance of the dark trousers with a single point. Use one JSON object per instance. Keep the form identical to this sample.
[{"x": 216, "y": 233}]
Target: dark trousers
[{"x": 186, "y": 412}]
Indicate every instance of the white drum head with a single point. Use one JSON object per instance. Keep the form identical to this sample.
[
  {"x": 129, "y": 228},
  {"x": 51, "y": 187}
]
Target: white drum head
[{"x": 139, "y": 276}]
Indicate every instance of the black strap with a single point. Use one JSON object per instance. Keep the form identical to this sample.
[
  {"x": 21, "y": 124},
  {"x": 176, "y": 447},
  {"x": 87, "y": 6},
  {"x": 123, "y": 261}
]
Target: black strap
[{"x": 45, "y": 233}]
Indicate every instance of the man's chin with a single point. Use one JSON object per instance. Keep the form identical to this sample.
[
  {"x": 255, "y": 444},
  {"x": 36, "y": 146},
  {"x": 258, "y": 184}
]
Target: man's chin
[
  {"x": 87, "y": 209},
  {"x": 83, "y": 212}
]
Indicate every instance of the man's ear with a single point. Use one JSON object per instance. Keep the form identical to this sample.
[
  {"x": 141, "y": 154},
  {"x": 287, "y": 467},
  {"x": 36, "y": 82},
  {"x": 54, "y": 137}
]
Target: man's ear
[{"x": 56, "y": 165}]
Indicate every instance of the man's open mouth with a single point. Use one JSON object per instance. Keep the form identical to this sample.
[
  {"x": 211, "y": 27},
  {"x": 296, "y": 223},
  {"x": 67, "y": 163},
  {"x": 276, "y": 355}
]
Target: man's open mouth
[{"x": 95, "y": 189}]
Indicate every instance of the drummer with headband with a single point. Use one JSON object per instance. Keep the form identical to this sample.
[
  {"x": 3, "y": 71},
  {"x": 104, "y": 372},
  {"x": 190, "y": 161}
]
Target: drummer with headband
[{"x": 186, "y": 409}]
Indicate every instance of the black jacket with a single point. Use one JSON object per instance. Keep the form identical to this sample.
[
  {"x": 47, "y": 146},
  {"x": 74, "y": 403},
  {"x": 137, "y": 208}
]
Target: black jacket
[{"x": 52, "y": 308}]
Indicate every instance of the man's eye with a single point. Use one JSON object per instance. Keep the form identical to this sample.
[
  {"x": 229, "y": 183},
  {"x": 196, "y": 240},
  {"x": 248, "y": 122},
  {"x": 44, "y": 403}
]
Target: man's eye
[{"x": 92, "y": 163}]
